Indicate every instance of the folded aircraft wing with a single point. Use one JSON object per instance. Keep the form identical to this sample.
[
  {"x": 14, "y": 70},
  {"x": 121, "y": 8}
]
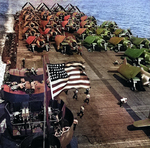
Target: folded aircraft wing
[
  {"x": 127, "y": 70},
  {"x": 83, "y": 18},
  {"x": 81, "y": 30},
  {"x": 30, "y": 39},
  {"x": 59, "y": 39},
  {"x": 142, "y": 123},
  {"x": 137, "y": 41},
  {"x": 116, "y": 40},
  {"x": 134, "y": 53},
  {"x": 90, "y": 39}
]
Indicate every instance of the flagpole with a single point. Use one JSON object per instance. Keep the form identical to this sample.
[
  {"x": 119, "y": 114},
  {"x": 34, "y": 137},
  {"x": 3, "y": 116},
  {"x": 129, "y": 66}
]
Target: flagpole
[
  {"x": 44, "y": 128},
  {"x": 46, "y": 99},
  {"x": 50, "y": 82}
]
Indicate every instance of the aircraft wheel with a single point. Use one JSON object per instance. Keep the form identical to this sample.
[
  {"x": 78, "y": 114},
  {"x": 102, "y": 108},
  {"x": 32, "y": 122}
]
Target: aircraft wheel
[
  {"x": 111, "y": 48},
  {"x": 105, "y": 49},
  {"x": 132, "y": 88},
  {"x": 47, "y": 50},
  {"x": 116, "y": 50}
]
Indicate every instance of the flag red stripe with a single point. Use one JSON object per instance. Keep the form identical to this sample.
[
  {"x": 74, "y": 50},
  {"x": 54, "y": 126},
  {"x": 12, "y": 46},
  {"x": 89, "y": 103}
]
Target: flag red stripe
[
  {"x": 72, "y": 86},
  {"x": 70, "y": 80}
]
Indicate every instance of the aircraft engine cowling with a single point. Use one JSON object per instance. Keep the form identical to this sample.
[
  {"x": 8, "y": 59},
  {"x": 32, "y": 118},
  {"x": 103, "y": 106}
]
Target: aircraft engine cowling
[
  {"x": 107, "y": 33},
  {"x": 101, "y": 42},
  {"x": 56, "y": 19},
  {"x": 55, "y": 25},
  {"x": 74, "y": 25},
  {"x": 32, "y": 32},
  {"x": 77, "y": 28},
  {"x": 147, "y": 44},
  {"x": 40, "y": 43},
  {"x": 90, "y": 32},
  {"x": 54, "y": 33},
  {"x": 111, "y": 26},
  {"x": 93, "y": 25},
  {"x": 147, "y": 56},
  {"x": 71, "y": 42},
  {"x": 32, "y": 25},
  {"x": 44, "y": 17},
  {"x": 127, "y": 43},
  {"x": 74, "y": 44}
]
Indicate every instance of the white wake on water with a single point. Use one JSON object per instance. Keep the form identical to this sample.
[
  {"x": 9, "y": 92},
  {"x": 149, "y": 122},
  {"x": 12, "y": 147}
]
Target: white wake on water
[{"x": 9, "y": 29}]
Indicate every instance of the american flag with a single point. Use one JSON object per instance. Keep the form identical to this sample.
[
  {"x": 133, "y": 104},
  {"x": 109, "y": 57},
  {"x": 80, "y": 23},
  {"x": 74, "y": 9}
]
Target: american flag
[{"x": 65, "y": 76}]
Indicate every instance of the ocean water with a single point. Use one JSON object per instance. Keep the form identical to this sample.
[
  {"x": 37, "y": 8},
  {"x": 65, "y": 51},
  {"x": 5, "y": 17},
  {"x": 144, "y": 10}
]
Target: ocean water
[
  {"x": 128, "y": 14},
  {"x": 133, "y": 14}
]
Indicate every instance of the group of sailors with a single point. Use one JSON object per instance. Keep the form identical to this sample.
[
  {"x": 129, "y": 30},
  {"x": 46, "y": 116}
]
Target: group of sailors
[
  {"x": 82, "y": 107},
  {"x": 26, "y": 86},
  {"x": 57, "y": 122}
]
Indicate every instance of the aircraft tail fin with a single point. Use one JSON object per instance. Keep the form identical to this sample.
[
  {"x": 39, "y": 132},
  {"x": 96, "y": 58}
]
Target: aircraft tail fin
[{"x": 125, "y": 61}]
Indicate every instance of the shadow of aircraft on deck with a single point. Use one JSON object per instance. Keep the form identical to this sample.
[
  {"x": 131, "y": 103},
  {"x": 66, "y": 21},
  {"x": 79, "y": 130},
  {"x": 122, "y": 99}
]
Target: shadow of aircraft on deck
[{"x": 145, "y": 129}]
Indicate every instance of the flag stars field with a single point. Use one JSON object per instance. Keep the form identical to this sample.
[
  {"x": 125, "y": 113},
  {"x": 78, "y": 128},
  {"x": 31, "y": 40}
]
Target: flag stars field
[{"x": 67, "y": 76}]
